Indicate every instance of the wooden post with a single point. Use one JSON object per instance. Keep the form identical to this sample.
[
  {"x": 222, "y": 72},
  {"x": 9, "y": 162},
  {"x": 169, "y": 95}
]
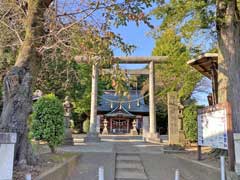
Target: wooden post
[{"x": 231, "y": 152}]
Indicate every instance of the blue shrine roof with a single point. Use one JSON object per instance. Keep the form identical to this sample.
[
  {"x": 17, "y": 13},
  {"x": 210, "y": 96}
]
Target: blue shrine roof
[{"x": 107, "y": 103}]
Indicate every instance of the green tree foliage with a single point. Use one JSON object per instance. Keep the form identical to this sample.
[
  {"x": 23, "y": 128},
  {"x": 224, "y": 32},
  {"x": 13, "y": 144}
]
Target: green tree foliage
[
  {"x": 190, "y": 122},
  {"x": 175, "y": 74},
  {"x": 66, "y": 78},
  {"x": 86, "y": 125},
  {"x": 193, "y": 21},
  {"x": 48, "y": 120}
]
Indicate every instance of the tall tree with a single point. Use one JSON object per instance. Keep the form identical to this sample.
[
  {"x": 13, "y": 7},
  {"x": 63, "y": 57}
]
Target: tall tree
[
  {"x": 41, "y": 25},
  {"x": 17, "y": 92},
  {"x": 228, "y": 30},
  {"x": 175, "y": 75}
]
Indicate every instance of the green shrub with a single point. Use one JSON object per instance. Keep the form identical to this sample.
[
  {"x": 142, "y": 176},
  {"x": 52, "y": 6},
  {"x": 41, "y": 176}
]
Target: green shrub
[
  {"x": 48, "y": 120},
  {"x": 190, "y": 122},
  {"x": 86, "y": 125}
]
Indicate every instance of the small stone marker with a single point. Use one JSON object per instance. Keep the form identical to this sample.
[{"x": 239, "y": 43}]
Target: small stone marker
[{"x": 7, "y": 143}]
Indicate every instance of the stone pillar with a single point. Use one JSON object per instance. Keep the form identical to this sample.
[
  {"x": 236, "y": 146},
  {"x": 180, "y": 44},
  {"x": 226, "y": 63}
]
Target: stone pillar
[
  {"x": 173, "y": 135},
  {"x": 7, "y": 143},
  {"x": 145, "y": 127},
  {"x": 175, "y": 120},
  {"x": 237, "y": 152},
  {"x": 92, "y": 136},
  {"x": 152, "y": 136}
]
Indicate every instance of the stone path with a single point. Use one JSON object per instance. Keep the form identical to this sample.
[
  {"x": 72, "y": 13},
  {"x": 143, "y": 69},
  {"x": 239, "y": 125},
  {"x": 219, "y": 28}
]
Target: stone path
[
  {"x": 89, "y": 164},
  {"x": 128, "y": 159}
]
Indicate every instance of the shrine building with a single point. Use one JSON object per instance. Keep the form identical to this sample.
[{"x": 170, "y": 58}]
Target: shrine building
[{"x": 120, "y": 113}]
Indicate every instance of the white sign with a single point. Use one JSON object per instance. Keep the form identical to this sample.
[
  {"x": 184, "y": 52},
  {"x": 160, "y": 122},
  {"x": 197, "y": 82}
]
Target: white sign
[
  {"x": 212, "y": 129},
  {"x": 7, "y": 143}
]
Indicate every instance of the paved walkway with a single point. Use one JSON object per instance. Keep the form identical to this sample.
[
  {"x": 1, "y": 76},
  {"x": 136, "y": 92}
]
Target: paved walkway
[{"x": 125, "y": 158}]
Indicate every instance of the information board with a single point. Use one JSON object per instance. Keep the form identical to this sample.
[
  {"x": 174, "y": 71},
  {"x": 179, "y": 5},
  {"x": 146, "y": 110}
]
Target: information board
[{"x": 212, "y": 128}]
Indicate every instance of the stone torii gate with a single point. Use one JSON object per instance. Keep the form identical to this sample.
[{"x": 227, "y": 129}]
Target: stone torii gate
[{"x": 92, "y": 136}]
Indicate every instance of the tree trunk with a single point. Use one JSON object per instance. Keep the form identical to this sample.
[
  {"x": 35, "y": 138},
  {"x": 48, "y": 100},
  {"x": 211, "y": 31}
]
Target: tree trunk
[
  {"x": 53, "y": 150},
  {"x": 228, "y": 28},
  {"x": 17, "y": 88}
]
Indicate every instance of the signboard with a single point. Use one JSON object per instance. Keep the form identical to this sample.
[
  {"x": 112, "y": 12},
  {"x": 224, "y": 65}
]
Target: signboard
[
  {"x": 215, "y": 130},
  {"x": 212, "y": 128}
]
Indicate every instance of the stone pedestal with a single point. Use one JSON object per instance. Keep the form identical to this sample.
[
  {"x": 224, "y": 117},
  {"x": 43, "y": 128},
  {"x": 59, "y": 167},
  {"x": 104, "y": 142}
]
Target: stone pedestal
[
  {"x": 182, "y": 138},
  {"x": 154, "y": 137},
  {"x": 105, "y": 132},
  {"x": 68, "y": 139},
  {"x": 133, "y": 132},
  {"x": 237, "y": 152},
  {"x": 92, "y": 137},
  {"x": 7, "y": 143}
]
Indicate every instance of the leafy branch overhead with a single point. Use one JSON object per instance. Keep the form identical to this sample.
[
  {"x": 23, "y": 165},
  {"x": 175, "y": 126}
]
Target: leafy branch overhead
[{"x": 194, "y": 21}]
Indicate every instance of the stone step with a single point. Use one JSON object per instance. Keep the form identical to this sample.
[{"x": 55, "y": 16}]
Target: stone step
[
  {"x": 127, "y": 157},
  {"x": 136, "y": 174},
  {"x": 129, "y": 165}
]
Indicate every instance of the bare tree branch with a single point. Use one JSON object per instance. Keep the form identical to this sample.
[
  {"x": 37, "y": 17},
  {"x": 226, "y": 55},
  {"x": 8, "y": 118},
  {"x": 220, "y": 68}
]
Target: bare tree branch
[{"x": 17, "y": 34}]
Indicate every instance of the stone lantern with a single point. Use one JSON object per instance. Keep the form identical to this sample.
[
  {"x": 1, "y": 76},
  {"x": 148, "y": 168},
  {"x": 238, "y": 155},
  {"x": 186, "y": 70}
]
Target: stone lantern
[
  {"x": 105, "y": 130},
  {"x": 134, "y": 129},
  {"x": 68, "y": 140}
]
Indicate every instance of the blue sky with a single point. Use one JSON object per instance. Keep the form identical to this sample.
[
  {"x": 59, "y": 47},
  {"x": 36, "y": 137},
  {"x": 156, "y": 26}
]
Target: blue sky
[{"x": 138, "y": 36}]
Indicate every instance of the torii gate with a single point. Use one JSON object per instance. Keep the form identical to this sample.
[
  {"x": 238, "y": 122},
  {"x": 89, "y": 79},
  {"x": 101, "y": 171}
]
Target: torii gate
[{"x": 92, "y": 136}]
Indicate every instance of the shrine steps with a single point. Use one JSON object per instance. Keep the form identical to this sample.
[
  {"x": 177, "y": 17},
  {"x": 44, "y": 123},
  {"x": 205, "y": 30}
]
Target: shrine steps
[{"x": 129, "y": 167}]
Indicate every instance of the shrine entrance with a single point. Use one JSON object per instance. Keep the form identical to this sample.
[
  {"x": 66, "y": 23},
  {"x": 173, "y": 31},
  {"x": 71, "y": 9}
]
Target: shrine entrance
[{"x": 119, "y": 126}]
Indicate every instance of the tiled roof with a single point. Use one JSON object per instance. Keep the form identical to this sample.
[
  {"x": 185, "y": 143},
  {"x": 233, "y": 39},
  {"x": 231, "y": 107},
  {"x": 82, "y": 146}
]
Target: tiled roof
[{"x": 105, "y": 106}]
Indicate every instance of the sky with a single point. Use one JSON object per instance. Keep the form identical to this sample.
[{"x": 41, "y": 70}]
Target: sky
[{"x": 138, "y": 36}]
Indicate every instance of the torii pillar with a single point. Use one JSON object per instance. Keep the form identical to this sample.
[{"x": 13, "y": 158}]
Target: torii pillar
[
  {"x": 92, "y": 135},
  {"x": 153, "y": 135}
]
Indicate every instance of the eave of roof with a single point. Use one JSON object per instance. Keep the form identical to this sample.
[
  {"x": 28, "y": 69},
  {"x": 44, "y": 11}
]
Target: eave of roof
[
  {"x": 120, "y": 111},
  {"x": 203, "y": 63}
]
